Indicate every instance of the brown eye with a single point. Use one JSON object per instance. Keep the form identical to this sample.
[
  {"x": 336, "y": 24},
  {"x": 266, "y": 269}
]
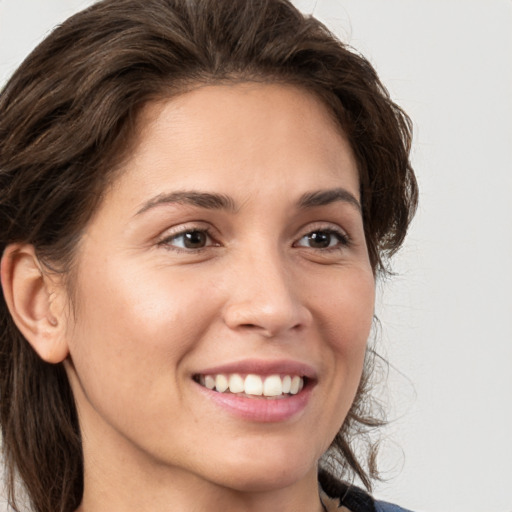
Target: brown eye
[
  {"x": 319, "y": 240},
  {"x": 323, "y": 239},
  {"x": 195, "y": 239},
  {"x": 192, "y": 239}
]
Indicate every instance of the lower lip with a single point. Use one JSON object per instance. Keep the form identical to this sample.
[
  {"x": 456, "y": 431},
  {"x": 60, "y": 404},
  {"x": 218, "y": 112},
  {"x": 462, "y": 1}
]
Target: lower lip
[{"x": 262, "y": 410}]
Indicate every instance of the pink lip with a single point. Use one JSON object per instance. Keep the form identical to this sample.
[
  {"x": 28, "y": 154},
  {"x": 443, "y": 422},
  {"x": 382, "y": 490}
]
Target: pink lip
[{"x": 262, "y": 410}]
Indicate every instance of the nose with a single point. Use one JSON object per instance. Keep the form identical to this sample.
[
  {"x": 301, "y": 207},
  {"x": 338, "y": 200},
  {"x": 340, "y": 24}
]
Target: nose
[{"x": 264, "y": 297}]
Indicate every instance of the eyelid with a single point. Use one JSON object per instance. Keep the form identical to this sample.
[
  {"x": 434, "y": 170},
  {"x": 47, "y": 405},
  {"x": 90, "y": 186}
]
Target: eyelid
[
  {"x": 168, "y": 235},
  {"x": 344, "y": 238},
  {"x": 176, "y": 231},
  {"x": 322, "y": 226}
]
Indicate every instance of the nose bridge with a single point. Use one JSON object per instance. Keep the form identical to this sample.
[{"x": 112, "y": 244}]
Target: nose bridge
[{"x": 263, "y": 294}]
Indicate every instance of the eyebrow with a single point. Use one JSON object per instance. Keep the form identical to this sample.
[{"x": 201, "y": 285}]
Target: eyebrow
[
  {"x": 213, "y": 201},
  {"x": 325, "y": 197},
  {"x": 206, "y": 200}
]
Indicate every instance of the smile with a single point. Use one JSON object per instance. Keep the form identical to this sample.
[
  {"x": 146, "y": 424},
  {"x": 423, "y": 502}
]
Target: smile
[{"x": 253, "y": 385}]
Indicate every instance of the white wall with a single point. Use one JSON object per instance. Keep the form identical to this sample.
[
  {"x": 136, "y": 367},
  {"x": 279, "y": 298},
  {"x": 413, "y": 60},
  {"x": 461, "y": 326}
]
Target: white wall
[{"x": 447, "y": 316}]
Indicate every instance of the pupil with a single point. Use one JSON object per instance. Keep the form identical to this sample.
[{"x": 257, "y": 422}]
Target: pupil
[
  {"x": 195, "y": 239},
  {"x": 320, "y": 239}
]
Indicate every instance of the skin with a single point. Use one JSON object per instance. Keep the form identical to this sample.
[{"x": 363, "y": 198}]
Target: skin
[{"x": 151, "y": 313}]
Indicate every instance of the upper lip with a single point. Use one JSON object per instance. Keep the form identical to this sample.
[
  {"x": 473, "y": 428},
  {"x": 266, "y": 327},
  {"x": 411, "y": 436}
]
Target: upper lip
[{"x": 263, "y": 367}]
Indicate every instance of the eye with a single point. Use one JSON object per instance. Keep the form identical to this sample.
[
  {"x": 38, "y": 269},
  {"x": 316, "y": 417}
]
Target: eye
[
  {"x": 190, "y": 239},
  {"x": 323, "y": 239}
]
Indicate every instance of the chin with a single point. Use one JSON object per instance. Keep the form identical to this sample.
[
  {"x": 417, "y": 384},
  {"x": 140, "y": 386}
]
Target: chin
[
  {"x": 266, "y": 481},
  {"x": 267, "y": 470}
]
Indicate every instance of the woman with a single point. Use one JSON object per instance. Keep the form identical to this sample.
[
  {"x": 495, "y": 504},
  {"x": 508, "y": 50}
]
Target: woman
[{"x": 196, "y": 199}]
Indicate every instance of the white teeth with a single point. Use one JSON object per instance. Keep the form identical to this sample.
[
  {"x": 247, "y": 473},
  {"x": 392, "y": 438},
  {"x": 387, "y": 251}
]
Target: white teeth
[
  {"x": 253, "y": 385},
  {"x": 287, "y": 383},
  {"x": 256, "y": 385},
  {"x": 221, "y": 383},
  {"x": 236, "y": 383},
  {"x": 209, "y": 382},
  {"x": 295, "y": 386},
  {"x": 273, "y": 386}
]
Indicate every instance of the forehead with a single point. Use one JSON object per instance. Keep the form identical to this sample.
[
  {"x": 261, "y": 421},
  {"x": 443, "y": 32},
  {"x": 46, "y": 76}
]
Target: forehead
[
  {"x": 247, "y": 136},
  {"x": 229, "y": 117}
]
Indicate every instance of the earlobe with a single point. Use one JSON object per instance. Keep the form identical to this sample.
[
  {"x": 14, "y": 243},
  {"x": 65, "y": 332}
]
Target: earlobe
[{"x": 35, "y": 302}]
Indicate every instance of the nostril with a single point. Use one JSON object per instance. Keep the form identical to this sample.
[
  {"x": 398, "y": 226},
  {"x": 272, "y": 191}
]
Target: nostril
[{"x": 267, "y": 316}]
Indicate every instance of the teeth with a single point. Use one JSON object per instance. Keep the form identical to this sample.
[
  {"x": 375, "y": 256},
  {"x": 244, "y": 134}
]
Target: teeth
[
  {"x": 221, "y": 383},
  {"x": 295, "y": 385},
  {"x": 255, "y": 385},
  {"x": 287, "y": 383},
  {"x": 236, "y": 383},
  {"x": 209, "y": 382},
  {"x": 273, "y": 386}
]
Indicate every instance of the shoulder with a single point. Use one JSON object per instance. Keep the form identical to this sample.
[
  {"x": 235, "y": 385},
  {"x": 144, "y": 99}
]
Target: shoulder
[
  {"x": 353, "y": 498},
  {"x": 382, "y": 506}
]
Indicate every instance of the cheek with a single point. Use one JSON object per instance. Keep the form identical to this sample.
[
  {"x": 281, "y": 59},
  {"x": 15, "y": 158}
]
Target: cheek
[
  {"x": 142, "y": 306},
  {"x": 345, "y": 312},
  {"x": 348, "y": 315},
  {"x": 348, "y": 308},
  {"x": 132, "y": 331}
]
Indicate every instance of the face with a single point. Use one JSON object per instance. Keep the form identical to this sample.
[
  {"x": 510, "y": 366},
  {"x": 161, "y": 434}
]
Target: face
[{"x": 229, "y": 252}]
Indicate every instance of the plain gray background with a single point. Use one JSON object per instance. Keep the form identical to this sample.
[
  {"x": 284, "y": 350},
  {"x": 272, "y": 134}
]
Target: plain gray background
[{"x": 446, "y": 316}]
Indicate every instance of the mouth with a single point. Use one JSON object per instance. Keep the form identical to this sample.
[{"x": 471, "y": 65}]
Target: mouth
[
  {"x": 252, "y": 385},
  {"x": 259, "y": 391}
]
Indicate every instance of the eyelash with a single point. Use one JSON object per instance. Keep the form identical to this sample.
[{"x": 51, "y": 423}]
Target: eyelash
[
  {"x": 343, "y": 239},
  {"x": 167, "y": 242}
]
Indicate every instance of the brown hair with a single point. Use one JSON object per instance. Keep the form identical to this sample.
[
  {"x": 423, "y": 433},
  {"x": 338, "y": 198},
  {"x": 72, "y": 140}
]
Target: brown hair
[{"x": 66, "y": 117}]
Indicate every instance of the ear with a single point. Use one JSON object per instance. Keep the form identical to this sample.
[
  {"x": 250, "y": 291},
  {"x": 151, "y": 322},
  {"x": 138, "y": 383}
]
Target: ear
[{"x": 36, "y": 301}]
